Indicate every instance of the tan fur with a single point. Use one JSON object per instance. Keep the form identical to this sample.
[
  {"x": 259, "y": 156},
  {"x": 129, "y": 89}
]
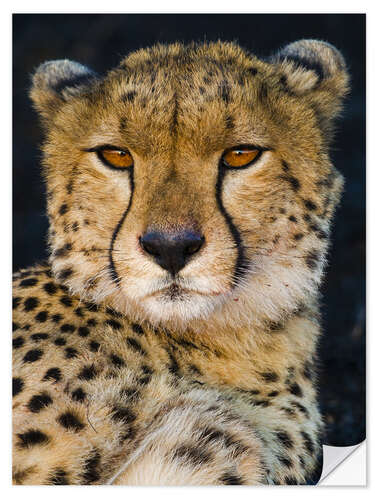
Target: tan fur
[{"x": 215, "y": 384}]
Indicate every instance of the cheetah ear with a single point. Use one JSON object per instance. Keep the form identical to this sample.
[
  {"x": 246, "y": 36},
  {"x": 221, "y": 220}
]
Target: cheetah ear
[
  {"x": 55, "y": 81},
  {"x": 317, "y": 71}
]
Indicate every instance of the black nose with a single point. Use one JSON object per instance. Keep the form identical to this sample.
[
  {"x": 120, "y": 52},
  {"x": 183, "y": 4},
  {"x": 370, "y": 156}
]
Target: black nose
[{"x": 171, "y": 250}]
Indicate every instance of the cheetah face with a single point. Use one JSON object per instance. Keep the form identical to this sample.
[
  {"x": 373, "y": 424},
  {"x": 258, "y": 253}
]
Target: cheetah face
[{"x": 192, "y": 179}]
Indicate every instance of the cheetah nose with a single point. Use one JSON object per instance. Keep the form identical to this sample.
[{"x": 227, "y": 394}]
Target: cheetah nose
[{"x": 171, "y": 250}]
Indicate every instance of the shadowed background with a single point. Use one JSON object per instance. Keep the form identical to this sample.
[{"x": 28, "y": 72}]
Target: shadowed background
[{"x": 99, "y": 41}]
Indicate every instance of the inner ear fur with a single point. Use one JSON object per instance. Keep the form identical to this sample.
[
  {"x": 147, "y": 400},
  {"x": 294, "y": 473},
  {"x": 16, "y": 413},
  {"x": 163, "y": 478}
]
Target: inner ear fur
[
  {"x": 317, "y": 71},
  {"x": 55, "y": 81}
]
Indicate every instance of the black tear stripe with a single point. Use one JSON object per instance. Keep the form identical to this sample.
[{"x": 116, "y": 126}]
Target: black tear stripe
[
  {"x": 112, "y": 267},
  {"x": 241, "y": 264}
]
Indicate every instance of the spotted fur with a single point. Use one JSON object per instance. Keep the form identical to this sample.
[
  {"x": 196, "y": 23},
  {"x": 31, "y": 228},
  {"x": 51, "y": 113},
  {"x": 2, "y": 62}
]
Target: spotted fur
[{"x": 124, "y": 374}]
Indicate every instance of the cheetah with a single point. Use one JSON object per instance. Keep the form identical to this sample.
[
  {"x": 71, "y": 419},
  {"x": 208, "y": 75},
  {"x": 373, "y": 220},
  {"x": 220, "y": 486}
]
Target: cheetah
[{"x": 171, "y": 337}]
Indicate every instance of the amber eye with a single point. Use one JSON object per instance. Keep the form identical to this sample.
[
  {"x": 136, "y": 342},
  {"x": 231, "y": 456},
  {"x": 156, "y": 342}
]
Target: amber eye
[
  {"x": 116, "y": 158},
  {"x": 240, "y": 157}
]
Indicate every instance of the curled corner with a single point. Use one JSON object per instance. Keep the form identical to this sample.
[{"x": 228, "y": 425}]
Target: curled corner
[{"x": 355, "y": 468}]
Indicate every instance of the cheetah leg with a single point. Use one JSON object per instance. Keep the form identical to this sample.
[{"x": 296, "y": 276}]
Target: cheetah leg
[{"x": 186, "y": 448}]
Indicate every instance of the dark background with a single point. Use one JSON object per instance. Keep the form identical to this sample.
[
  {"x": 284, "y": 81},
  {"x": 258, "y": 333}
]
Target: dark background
[{"x": 100, "y": 41}]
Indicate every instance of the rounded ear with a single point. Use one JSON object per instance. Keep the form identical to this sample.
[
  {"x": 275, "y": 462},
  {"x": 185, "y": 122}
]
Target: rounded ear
[
  {"x": 316, "y": 70},
  {"x": 55, "y": 81}
]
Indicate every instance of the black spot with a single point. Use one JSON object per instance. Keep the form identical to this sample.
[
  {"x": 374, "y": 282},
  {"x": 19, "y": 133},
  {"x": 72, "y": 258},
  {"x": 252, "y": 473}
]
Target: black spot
[
  {"x": 306, "y": 217},
  {"x": 123, "y": 123},
  {"x": 252, "y": 71},
  {"x": 113, "y": 323},
  {"x": 261, "y": 402},
  {"x": 137, "y": 329},
  {"x": 298, "y": 236},
  {"x": 53, "y": 374},
  {"x": 28, "y": 282},
  {"x": 42, "y": 316},
  {"x": 322, "y": 235},
  {"x": 147, "y": 370},
  {"x": 67, "y": 328},
  {"x": 70, "y": 421},
  {"x": 285, "y": 439},
  {"x": 18, "y": 342},
  {"x": 300, "y": 407},
  {"x": 15, "y": 326},
  {"x": 285, "y": 461},
  {"x": 58, "y": 477},
  {"x": 290, "y": 480},
  {"x": 79, "y": 312},
  {"x": 310, "y": 205},
  {"x": 224, "y": 91},
  {"x": 32, "y": 355},
  {"x": 31, "y": 303},
  {"x": 308, "y": 370},
  {"x": 70, "y": 352},
  {"x": 91, "y": 306},
  {"x": 50, "y": 288},
  {"x": 122, "y": 414},
  {"x": 117, "y": 361},
  {"x": 91, "y": 473},
  {"x": 273, "y": 394},
  {"x": 252, "y": 392},
  {"x": 275, "y": 325},
  {"x": 79, "y": 395},
  {"x": 63, "y": 209},
  {"x": 69, "y": 187},
  {"x": 194, "y": 455},
  {"x": 75, "y": 226},
  {"x": 56, "y": 318},
  {"x": 312, "y": 259},
  {"x": 32, "y": 437},
  {"x": 17, "y": 385},
  {"x": 293, "y": 181},
  {"x": 135, "y": 345},
  {"x": 114, "y": 313},
  {"x": 308, "y": 442},
  {"x": 94, "y": 346},
  {"x": 92, "y": 322},
  {"x": 87, "y": 373},
  {"x": 38, "y": 402},
  {"x": 83, "y": 331},
  {"x": 263, "y": 92},
  {"x": 16, "y": 302},
  {"x": 231, "y": 479},
  {"x": 270, "y": 376},
  {"x": 39, "y": 336},
  {"x": 296, "y": 390},
  {"x": 66, "y": 301},
  {"x": 229, "y": 122},
  {"x": 129, "y": 96},
  {"x": 173, "y": 365},
  {"x": 292, "y": 218},
  {"x": 61, "y": 252},
  {"x": 144, "y": 380},
  {"x": 59, "y": 341},
  {"x": 65, "y": 273},
  {"x": 285, "y": 166},
  {"x": 211, "y": 434}
]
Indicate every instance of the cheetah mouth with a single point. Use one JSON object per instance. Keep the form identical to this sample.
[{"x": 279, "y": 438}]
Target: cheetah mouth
[{"x": 175, "y": 291}]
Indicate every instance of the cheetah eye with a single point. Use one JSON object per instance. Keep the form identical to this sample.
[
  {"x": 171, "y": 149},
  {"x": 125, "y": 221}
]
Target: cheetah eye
[
  {"x": 115, "y": 158},
  {"x": 240, "y": 156}
]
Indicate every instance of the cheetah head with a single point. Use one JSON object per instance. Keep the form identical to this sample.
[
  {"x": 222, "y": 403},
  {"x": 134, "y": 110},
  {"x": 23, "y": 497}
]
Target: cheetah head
[{"x": 194, "y": 181}]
